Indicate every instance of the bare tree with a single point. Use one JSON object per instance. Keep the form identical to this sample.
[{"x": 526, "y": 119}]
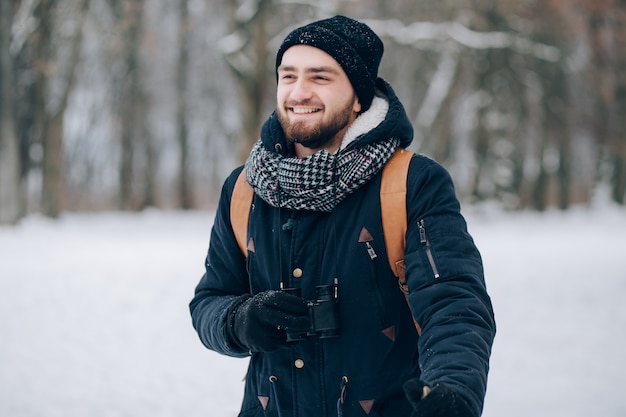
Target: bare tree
[
  {"x": 131, "y": 101},
  {"x": 50, "y": 106},
  {"x": 605, "y": 25},
  {"x": 10, "y": 188},
  {"x": 523, "y": 101},
  {"x": 185, "y": 193},
  {"x": 618, "y": 24},
  {"x": 246, "y": 51}
]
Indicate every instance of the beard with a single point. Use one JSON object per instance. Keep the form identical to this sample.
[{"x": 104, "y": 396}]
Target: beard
[{"x": 315, "y": 136}]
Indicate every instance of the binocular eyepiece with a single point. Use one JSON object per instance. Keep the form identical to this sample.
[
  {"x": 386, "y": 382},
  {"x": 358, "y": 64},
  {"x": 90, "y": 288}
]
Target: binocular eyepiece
[{"x": 323, "y": 313}]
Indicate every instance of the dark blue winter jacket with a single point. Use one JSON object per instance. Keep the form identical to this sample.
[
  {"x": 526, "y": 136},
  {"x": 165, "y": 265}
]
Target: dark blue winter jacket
[{"x": 362, "y": 371}]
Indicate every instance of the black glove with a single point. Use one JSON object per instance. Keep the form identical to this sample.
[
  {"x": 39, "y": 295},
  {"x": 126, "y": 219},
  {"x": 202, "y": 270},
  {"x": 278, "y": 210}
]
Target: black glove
[
  {"x": 441, "y": 401},
  {"x": 258, "y": 322}
]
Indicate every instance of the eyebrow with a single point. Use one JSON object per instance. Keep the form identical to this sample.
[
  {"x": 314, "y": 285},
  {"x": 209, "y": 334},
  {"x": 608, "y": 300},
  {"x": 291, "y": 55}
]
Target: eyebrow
[{"x": 310, "y": 70}]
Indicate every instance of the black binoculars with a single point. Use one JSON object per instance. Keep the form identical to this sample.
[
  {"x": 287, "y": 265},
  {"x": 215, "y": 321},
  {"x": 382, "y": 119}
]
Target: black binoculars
[{"x": 323, "y": 314}]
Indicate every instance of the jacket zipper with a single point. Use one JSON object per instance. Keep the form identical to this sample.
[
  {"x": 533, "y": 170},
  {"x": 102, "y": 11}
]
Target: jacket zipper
[
  {"x": 370, "y": 251},
  {"x": 424, "y": 241}
]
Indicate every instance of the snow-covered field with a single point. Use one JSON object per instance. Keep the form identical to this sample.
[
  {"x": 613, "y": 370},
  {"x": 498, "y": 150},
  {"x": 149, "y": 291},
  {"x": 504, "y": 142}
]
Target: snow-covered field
[{"x": 94, "y": 319}]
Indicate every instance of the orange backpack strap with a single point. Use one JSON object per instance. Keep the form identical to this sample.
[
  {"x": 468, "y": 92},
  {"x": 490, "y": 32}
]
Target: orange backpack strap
[
  {"x": 240, "y": 203},
  {"x": 393, "y": 211},
  {"x": 394, "y": 218}
]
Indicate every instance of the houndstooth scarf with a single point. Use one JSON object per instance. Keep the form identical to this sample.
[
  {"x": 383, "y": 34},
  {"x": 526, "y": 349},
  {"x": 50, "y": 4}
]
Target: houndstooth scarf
[{"x": 320, "y": 181}]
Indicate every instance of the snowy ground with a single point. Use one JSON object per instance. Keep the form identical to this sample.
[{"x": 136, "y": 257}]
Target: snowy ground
[{"x": 94, "y": 319}]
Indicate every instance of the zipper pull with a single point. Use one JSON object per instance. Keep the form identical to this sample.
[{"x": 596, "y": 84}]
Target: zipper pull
[
  {"x": 424, "y": 241},
  {"x": 366, "y": 237},
  {"x": 370, "y": 251}
]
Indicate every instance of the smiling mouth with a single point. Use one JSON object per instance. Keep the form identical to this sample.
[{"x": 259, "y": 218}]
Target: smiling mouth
[{"x": 304, "y": 110}]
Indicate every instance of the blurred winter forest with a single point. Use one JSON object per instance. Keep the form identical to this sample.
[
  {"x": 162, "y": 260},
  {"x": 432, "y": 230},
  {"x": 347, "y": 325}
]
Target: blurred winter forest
[{"x": 129, "y": 104}]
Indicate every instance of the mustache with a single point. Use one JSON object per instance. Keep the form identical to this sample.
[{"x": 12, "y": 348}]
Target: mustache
[{"x": 303, "y": 103}]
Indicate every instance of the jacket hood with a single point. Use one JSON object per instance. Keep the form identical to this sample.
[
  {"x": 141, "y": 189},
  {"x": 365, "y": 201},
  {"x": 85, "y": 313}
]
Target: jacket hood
[{"x": 394, "y": 124}]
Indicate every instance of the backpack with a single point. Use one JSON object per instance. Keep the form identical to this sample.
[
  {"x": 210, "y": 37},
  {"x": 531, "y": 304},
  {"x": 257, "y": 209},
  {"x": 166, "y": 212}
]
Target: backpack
[{"x": 392, "y": 207}]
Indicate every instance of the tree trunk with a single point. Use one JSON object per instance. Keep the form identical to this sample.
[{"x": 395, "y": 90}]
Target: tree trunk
[
  {"x": 185, "y": 193},
  {"x": 562, "y": 135},
  {"x": 252, "y": 81},
  {"x": 619, "y": 165},
  {"x": 481, "y": 149},
  {"x": 131, "y": 98},
  {"x": 51, "y": 120},
  {"x": 50, "y": 172},
  {"x": 10, "y": 189},
  {"x": 619, "y": 175},
  {"x": 540, "y": 187},
  {"x": 564, "y": 172},
  {"x": 52, "y": 169}
]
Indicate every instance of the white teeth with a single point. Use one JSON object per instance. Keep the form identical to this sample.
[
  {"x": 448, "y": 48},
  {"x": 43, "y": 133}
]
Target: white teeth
[{"x": 303, "y": 110}]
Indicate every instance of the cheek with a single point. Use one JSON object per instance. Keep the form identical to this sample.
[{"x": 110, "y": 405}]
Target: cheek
[{"x": 281, "y": 94}]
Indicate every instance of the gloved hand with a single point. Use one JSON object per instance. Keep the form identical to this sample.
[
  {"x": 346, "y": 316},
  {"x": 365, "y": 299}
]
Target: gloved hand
[
  {"x": 258, "y": 322},
  {"x": 438, "y": 401}
]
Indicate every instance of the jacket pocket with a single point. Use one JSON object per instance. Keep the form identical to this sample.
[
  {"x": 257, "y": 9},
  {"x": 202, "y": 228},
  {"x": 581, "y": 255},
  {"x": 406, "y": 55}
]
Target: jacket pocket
[
  {"x": 446, "y": 250},
  {"x": 373, "y": 399},
  {"x": 271, "y": 390},
  {"x": 426, "y": 247},
  {"x": 370, "y": 281}
]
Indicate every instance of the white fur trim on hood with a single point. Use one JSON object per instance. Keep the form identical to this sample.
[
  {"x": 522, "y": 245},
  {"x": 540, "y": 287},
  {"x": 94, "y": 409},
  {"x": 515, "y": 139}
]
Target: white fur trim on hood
[{"x": 366, "y": 121}]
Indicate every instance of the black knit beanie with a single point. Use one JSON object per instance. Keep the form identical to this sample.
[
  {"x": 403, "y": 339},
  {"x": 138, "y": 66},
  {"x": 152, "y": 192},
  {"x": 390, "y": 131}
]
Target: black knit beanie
[{"x": 351, "y": 43}]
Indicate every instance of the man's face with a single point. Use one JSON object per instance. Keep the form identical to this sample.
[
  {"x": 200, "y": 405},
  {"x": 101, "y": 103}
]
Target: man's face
[{"x": 315, "y": 100}]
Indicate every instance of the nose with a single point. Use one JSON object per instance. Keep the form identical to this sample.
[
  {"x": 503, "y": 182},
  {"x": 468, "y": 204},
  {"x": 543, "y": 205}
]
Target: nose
[{"x": 301, "y": 91}]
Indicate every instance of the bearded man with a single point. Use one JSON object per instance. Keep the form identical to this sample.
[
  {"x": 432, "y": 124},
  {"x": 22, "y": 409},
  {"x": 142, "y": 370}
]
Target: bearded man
[{"x": 314, "y": 301}]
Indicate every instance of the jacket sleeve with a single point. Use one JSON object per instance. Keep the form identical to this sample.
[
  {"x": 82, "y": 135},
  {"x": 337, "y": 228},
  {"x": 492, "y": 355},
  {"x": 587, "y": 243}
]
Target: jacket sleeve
[
  {"x": 225, "y": 279},
  {"x": 448, "y": 296}
]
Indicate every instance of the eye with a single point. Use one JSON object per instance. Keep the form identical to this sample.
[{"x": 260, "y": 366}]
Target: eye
[{"x": 321, "y": 78}]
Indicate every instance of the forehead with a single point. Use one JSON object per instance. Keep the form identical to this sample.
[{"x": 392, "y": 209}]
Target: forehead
[{"x": 305, "y": 56}]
